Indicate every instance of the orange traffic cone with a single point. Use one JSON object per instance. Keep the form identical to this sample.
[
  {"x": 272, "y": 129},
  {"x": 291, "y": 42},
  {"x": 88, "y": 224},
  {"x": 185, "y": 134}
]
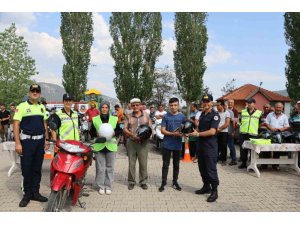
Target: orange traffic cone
[
  {"x": 48, "y": 155},
  {"x": 187, "y": 157}
]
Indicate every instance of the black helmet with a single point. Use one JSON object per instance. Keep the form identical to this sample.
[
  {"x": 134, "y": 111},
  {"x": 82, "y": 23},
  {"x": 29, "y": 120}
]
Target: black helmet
[
  {"x": 188, "y": 127},
  {"x": 296, "y": 137},
  {"x": 276, "y": 137},
  {"x": 144, "y": 132},
  {"x": 265, "y": 134}
]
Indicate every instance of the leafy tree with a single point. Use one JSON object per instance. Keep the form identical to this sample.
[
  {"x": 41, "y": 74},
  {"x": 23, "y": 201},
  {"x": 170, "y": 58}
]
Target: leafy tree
[
  {"x": 135, "y": 49},
  {"x": 292, "y": 70},
  {"x": 191, "y": 40},
  {"x": 16, "y": 66},
  {"x": 229, "y": 87},
  {"x": 164, "y": 85},
  {"x": 77, "y": 36}
]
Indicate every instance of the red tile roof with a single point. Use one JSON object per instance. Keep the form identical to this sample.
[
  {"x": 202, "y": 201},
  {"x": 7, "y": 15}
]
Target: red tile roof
[{"x": 249, "y": 90}]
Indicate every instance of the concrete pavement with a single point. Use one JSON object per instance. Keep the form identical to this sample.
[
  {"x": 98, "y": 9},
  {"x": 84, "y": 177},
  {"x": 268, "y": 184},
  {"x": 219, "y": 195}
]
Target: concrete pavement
[{"x": 238, "y": 190}]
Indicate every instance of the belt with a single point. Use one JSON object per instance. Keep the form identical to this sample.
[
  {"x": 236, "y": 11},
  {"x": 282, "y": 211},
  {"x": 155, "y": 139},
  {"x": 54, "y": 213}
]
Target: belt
[{"x": 33, "y": 137}]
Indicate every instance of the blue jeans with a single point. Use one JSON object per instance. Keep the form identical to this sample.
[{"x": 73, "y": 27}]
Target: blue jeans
[{"x": 230, "y": 142}]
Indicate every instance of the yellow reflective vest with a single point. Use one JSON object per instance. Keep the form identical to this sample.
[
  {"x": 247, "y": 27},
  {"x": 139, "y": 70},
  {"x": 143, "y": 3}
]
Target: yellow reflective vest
[
  {"x": 250, "y": 123},
  {"x": 111, "y": 144},
  {"x": 69, "y": 125}
]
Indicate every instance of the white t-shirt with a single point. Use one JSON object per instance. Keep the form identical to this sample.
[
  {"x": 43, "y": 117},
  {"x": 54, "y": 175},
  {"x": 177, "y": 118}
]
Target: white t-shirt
[
  {"x": 158, "y": 113},
  {"x": 223, "y": 116},
  {"x": 198, "y": 114},
  {"x": 280, "y": 122}
]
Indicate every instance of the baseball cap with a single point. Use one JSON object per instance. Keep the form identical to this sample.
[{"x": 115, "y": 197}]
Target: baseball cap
[
  {"x": 68, "y": 97},
  {"x": 35, "y": 87},
  {"x": 207, "y": 97},
  {"x": 251, "y": 100},
  {"x": 135, "y": 100}
]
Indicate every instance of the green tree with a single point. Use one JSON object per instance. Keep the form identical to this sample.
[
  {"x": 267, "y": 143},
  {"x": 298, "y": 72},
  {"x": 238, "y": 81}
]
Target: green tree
[
  {"x": 135, "y": 49},
  {"x": 229, "y": 87},
  {"x": 191, "y": 40},
  {"x": 292, "y": 70},
  {"x": 16, "y": 66},
  {"x": 77, "y": 37}
]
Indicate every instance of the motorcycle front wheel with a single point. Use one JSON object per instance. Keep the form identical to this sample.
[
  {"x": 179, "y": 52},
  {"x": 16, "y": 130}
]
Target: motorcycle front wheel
[{"x": 57, "y": 201}]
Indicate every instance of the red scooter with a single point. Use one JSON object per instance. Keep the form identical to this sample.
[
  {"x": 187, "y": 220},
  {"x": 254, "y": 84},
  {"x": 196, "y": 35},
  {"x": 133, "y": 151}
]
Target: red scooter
[{"x": 68, "y": 169}]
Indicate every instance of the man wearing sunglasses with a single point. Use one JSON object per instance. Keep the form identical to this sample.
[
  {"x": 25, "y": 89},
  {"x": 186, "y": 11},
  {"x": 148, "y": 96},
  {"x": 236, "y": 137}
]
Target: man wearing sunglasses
[
  {"x": 31, "y": 139},
  {"x": 135, "y": 147}
]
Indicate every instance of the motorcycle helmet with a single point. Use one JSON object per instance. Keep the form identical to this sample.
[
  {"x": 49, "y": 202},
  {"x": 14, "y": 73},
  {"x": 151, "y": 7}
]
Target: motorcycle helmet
[
  {"x": 188, "y": 127},
  {"x": 144, "y": 132},
  {"x": 287, "y": 137},
  {"x": 296, "y": 137},
  {"x": 265, "y": 134},
  {"x": 276, "y": 138},
  {"x": 106, "y": 130}
]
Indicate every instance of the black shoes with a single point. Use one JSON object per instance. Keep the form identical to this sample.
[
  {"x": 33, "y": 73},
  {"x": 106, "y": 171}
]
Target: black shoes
[
  {"x": 162, "y": 187},
  {"x": 38, "y": 197},
  {"x": 176, "y": 186},
  {"x": 24, "y": 202},
  {"x": 213, "y": 196},
  {"x": 242, "y": 166},
  {"x": 232, "y": 163},
  {"x": 144, "y": 186},
  {"x": 206, "y": 189},
  {"x": 130, "y": 186}
]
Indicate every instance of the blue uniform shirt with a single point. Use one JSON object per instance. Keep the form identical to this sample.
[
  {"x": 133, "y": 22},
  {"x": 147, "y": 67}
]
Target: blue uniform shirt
[
  {"x": 171, "y": 123},
  {"x": 210, "y": 143}
]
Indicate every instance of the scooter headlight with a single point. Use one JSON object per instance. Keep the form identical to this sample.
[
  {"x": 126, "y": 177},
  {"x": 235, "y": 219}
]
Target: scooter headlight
[{"x": 71, "y": 148}]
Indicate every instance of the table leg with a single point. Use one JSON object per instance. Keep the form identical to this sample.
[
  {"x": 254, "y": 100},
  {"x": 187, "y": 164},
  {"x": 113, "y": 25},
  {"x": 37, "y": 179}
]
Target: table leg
[
  {"x": 295, "y": 165},
  {"x": 253, "y": 164},
  {"x": 14, "y": 165}
]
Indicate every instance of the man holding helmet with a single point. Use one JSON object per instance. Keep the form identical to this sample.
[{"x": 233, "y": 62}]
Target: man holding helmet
[
  {"x": 104, "y": 126},
  {"x": 208, "y": 148},
  {"x": 136, "y": 146},
  {"x": 172, "y": 142}
]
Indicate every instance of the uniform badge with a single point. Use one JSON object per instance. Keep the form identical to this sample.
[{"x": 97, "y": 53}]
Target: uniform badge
[
  {"x": 28, "y": 110},
  {"x": 216, "y": 117}
]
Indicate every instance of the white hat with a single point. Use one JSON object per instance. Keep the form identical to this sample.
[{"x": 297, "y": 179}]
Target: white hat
[
  {"x": 135, "y": 100},
  {"x": 298, "y": 102}
]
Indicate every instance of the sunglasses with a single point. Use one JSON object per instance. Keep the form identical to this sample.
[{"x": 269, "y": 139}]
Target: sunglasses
[{"x": 35, "y": 91}]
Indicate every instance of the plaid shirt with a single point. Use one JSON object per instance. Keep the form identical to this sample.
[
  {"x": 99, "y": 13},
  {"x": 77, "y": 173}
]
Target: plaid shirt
[{"x": 133, "y": 122}]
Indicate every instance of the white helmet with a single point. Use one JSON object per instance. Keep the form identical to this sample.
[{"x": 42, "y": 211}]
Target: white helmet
[{"x": 106, "y": 130}]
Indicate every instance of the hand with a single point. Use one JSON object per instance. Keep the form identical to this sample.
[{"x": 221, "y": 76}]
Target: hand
[
  {"x": 194, "y": 133},
  {"x": 177, "y": 134},
  {"x": 19, "y": 149},
  {"x": 136, "y": 139},
  {"x": 47, "y": 145}
]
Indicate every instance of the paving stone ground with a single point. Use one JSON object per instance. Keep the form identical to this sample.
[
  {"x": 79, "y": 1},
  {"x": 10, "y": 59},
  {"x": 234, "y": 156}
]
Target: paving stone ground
[{"x": 239, "y": 191}]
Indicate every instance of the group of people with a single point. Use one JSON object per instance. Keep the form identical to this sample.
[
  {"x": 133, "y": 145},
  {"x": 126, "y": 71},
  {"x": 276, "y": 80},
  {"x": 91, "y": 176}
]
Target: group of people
[
  {"x": 6, "y": 119},
  {"x": 213, "y": 132}
]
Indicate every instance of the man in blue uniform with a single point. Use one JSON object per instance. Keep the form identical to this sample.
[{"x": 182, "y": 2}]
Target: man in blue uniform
[
  {"x": 208, "y": 148},
  {"x": 30, "y": 131}
]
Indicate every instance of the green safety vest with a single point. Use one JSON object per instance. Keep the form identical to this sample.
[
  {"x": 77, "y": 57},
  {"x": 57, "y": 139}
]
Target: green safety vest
[
  {"x": 250, "y": 123},
  {"x": 111, "y": 144},
  {"x": 69, "y": 126}
]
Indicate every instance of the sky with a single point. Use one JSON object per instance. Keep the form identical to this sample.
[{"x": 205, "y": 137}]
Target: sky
[{"x": 249, "y": 47}]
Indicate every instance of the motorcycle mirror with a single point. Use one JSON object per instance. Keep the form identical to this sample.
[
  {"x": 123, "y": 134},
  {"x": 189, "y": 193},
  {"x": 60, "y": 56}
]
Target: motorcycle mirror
[
  {"x": 100, "y": 140},
  {"x": 52, "y": 125}
]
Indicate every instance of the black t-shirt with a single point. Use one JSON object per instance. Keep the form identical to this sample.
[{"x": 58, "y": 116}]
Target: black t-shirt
[{"x": 4, "y": 114}]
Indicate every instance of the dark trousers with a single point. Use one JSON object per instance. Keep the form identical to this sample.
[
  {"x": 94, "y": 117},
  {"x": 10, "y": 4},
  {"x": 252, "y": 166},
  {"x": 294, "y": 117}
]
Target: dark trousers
[
  {"x": 192, "y": 148},
  {"x": 31, "y": 165},
  {"x": 230, "y": 143},
  {"x": 245, "y": 151},
  {"x": 166, "y": 162},
  {"x": 222, "y": 146},
  {"x": 207, "y": 164}
]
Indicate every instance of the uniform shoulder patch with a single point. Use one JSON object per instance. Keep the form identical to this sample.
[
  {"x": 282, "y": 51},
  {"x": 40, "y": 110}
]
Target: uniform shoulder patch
[{"x": 216, "y": 118}]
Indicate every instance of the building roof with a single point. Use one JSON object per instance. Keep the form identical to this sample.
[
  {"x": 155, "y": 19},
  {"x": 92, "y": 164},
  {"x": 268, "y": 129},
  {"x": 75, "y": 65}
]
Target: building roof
[{"x": 249, "y": 90}]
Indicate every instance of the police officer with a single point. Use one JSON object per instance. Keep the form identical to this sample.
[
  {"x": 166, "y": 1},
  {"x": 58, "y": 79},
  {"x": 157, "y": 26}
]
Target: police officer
[
  {"x": 30, "y": 134},
  {"x": 208, "y": 148},
  {"x": 66, "y": 120},
  {"x": 250, "y": 120}
]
